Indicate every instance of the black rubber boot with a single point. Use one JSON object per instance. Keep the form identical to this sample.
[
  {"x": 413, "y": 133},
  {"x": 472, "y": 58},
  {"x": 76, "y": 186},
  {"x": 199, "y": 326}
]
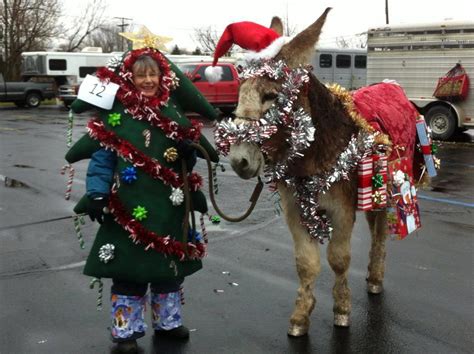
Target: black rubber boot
[
  {"x": 179, "y": 333},
  {"x": 127, "y": 346}
]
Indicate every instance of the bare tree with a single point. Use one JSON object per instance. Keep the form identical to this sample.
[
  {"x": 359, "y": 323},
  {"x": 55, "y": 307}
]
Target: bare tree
[
  {"x": 356, "y": 41},
  {"x": 27, "y": 25},
  {"x": 107, "y": 37},
  {"x": 288, "y": 30},
  {"x": 207, "y": 38},
  {"x": 84, "y": 25}
]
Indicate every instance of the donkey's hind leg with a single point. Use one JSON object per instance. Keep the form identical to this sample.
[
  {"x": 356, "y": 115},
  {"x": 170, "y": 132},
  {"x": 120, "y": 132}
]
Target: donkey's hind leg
[
  {"x": 378, "y": 228},
  {"x": 307, "y": 265}
]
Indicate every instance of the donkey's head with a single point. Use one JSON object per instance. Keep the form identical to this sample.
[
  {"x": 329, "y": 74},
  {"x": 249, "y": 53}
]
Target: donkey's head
[{"x": 259, "y": 93}]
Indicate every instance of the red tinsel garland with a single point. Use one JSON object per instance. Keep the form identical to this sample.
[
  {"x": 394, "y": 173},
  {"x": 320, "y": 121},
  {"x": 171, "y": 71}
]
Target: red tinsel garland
[
  {"x": 162, "y": 244},
  {"x": 139, "y": 159},
  {"x": 148, "y": 108}
]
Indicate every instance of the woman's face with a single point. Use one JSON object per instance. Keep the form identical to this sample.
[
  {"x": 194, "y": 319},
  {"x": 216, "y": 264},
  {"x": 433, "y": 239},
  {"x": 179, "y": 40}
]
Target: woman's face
[{"x": 147, "y": 81}]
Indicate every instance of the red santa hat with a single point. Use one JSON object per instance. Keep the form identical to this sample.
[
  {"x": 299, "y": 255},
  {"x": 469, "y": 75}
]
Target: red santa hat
[{"x": 262, "y": 41}]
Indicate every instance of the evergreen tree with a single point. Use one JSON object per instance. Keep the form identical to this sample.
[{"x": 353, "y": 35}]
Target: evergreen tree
[
  {"x": 176, "y": 50},
  {"x": 197, "y": 51}
]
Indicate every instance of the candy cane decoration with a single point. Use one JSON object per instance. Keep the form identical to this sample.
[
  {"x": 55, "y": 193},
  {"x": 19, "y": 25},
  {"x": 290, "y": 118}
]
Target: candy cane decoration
[
  {"x": 147, "y": 134},
  {"x": 203, "y": 229},
  {"x": 78, "y": 221},
  {"x": 100, "y": 291},
  {"x": 69, "y": 180},
  {"x": 69, "y": 129},
  {"x": 181, "y": 295},
  {"x": 214, "y": 176}
]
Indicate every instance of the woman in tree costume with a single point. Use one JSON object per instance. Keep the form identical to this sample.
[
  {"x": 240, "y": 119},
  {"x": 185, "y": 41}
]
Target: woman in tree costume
[{"x": 136, "y": 150}]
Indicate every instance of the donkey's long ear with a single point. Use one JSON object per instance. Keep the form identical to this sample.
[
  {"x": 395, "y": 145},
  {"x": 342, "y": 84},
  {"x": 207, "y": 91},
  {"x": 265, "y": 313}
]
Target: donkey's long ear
[
  {"x": 301, "y": 48},
  {"x": 277, "y": 25}
]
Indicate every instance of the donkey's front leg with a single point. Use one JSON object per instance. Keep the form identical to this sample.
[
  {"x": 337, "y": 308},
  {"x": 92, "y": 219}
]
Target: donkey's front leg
[
  {"x": 307, "y": 265},
  {"x": 378, "y": 228},
  {"x": 342, "y": 216}
]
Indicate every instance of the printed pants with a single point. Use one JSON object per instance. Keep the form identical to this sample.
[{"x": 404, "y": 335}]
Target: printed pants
[{"x": 128, "y": 308}]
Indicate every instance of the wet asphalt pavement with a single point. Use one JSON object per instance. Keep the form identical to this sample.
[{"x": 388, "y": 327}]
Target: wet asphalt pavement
[{"x": 242, "y": 299}]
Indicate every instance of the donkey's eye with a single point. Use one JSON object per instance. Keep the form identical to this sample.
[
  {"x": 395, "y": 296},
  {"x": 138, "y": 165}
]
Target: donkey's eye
[{"x": 269, "y": 97}]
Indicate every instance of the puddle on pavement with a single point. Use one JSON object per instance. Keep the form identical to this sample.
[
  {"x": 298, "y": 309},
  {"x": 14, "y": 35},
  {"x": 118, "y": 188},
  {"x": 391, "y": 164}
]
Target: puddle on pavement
[
  {"x": 22, "y": 166},
  {"x": 13, "y": 183},
  {"x": 439, "y": 189}
]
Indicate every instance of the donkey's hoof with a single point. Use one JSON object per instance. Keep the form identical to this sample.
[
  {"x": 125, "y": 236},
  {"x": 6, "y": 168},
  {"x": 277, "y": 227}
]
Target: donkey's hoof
[
  {"x": 374, "y": 289},
  {"x": 342, "y": 320},
  {"x": 297, "y": 331}
]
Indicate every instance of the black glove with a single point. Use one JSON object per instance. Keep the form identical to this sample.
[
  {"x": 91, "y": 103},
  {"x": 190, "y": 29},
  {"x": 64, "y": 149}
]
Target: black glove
[
  {"x": 187, "y": 152},
  {"x": 97, "y": 208}
]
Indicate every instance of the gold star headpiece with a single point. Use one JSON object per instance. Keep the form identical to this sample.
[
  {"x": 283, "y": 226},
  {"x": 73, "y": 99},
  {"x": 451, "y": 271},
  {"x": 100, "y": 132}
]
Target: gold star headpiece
[{"x": 145, "y": 38}]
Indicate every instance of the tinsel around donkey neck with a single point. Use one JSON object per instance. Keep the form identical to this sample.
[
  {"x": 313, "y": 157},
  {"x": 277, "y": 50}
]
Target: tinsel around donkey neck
[
  {"x": 302, "y": 131},
  {"x": 282, "y": 112}
]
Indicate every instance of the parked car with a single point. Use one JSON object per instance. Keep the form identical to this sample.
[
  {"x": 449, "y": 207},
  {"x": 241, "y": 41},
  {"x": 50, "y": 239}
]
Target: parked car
[
  {"x": 223, "y": 94},
  {"x": 68, "y": 93},
  {"x": 26, "y": 93}
]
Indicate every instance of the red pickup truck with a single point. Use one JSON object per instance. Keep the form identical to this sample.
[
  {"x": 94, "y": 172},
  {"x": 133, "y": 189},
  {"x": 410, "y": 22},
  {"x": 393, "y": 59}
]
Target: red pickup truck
[{"x": 223, "y": 94}]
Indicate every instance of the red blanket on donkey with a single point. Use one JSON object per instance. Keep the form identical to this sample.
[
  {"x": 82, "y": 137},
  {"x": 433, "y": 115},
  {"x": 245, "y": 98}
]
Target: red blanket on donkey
[{"x": 387, "y": 109}]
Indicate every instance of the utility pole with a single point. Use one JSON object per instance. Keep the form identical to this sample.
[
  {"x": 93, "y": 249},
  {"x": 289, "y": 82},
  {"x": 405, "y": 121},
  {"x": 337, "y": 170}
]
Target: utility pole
[
  {"x": 122, "y": 27},
  {"x": 386, "y": 13}
]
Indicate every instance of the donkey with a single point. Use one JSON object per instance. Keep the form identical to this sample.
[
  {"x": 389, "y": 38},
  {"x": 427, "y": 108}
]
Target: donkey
[{"x": 333, "y": 130}]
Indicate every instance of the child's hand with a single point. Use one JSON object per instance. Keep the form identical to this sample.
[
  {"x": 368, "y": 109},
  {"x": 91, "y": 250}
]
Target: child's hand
[
  {"x": 187, "y": 152},
  {"x": 98, "y": 208}
]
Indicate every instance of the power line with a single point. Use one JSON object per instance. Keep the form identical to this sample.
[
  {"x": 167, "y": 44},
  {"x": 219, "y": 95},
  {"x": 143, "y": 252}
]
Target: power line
[{"x": 122, "y": 27}]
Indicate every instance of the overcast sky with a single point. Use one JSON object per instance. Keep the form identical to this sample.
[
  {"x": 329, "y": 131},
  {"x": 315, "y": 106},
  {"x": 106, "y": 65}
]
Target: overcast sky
[{"x": 178, "y": 18}]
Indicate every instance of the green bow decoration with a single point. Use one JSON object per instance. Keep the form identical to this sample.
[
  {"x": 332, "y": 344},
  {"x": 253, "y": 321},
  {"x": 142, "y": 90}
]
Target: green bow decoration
[
  {"x": 114, "y": 119},
  {"x": 377, "y": 181},
  {"x": 139, "y": 213}
]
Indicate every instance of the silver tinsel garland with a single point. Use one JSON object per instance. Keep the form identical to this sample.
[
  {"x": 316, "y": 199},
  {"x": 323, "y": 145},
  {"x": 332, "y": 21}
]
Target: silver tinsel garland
[
  {"x": 299, "y": 123},
  {"x": 307, "y": 189},
  {"x": 282, "y": 112}
]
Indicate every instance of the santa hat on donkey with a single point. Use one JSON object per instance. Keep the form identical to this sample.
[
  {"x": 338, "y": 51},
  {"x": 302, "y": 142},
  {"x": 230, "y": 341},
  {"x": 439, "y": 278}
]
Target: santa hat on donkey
[{"x": 263, "y": 43}]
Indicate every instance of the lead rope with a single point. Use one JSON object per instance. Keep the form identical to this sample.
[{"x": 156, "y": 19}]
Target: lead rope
[{"x": 253, "y": 199}]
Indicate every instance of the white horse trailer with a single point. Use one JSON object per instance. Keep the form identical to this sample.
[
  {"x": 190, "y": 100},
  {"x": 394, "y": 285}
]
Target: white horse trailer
[
  {"x": 64, "y": 67},
  {"x": 346, "y": 67},
  {"x": 68, "y": 69},
  {"x": 416, "y": 56}
]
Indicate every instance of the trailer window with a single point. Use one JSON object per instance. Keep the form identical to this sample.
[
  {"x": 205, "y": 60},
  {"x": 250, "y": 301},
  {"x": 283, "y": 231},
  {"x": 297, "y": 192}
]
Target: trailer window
[
  {"x": 343, "y": 61},
  {"x": 360, "y": 61},
  {"x": 57, "y": 64},
  {"x": 85, "y": 70},
  {"x": 325, "y": 60}
]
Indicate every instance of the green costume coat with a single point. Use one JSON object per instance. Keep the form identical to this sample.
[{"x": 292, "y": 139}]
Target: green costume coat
[{"x": 131, "y": 261}]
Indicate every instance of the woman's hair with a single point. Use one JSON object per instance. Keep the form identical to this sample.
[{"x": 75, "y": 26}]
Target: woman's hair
[{"x": 145, "y": 62}]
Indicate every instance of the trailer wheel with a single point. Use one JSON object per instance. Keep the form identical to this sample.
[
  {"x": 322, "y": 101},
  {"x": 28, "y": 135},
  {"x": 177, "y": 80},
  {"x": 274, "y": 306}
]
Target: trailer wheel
[
  {"x": 442, "y": 122},
  {"x": 33, "y": 100}
]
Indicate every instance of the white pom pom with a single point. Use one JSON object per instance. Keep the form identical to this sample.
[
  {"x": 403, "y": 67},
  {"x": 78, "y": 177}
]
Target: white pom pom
[{"x": 213, "y": 73}]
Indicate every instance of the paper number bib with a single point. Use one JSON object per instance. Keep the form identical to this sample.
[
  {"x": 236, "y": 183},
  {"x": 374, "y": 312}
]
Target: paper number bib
[{"x": 97, "y": 93}]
